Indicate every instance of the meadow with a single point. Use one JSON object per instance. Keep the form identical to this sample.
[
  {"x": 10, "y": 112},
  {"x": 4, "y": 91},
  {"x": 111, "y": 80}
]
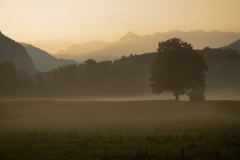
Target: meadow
[{"x": 153, "y": 129}]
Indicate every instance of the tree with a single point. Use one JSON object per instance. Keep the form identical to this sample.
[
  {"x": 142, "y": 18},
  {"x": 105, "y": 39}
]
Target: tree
[
  {"x": 14, "y": 82},
  {"x": 177, "y": 68}
]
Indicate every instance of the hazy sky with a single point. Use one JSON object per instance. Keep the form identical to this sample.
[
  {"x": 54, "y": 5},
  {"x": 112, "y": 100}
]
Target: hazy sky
[{"x": 55, "y": 24}]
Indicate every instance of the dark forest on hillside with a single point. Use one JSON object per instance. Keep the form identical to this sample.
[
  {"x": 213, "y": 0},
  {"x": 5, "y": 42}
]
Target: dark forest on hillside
[
  {"x": 125, "y": 77},
  {"x": 15, "y": 52}
]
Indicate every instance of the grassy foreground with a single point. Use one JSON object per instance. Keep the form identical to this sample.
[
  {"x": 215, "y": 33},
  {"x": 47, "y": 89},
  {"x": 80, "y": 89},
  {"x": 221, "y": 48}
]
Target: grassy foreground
[
  {"x": 185, "y": 145},
  {"x": 120, "y": 130}
]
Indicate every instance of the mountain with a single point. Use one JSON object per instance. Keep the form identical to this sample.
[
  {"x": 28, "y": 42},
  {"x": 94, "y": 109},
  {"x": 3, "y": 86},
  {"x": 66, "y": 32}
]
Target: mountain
[
  {"x": 43, "y": 61},
  {"x": 72, "y": 52},
  {"x": 234, "y": 45},
  {"x": 129, "y": 37},
  {"x": 132, "y": 43},
  {"x": 15, "y": 52}
]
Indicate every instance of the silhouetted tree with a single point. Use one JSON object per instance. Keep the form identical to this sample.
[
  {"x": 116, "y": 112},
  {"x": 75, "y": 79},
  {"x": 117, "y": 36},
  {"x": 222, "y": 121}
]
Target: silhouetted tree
[{"x": 177, "y": 68}]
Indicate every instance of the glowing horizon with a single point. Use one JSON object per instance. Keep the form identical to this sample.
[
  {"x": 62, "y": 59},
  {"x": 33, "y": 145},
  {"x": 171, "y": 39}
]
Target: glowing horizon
[{"x": 56, "y": 24}]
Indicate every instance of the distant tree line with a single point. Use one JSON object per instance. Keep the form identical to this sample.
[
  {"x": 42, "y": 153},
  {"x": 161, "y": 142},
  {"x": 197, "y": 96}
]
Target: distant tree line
[
  {"x": 95, "y": 79},
  {"x": 128, "y": 76},
  {"x": 224, "y": 68},
  {"x": 88, "y": 79}
]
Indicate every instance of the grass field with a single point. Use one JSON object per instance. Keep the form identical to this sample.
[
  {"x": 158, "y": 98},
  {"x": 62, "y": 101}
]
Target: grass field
[{"x": 119, "y": 130}]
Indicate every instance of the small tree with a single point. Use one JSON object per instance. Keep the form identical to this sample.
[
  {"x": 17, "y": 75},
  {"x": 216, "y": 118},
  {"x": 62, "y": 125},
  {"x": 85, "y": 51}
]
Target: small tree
[{"x": 177, "y": 68}]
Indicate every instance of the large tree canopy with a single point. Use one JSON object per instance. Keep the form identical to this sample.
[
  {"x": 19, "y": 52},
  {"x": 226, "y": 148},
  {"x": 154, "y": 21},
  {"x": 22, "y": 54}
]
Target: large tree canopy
[{"x": 177, "y": 68}]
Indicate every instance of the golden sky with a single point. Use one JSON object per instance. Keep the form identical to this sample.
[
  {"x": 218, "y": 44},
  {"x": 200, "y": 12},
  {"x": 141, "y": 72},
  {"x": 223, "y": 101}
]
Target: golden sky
[{"x": 55, "y": 24}]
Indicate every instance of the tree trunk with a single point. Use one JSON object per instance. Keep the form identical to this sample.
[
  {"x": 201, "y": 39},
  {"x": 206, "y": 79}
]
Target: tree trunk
[{"x": 176, "y": 97}]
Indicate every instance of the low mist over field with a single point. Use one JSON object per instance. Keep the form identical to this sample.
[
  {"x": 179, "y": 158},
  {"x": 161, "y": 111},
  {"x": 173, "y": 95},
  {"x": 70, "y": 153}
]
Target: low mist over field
[{"x": 136, "y": 117}]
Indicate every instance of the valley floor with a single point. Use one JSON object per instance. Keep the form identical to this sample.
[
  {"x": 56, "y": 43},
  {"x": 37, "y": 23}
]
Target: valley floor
[{"x": 119, "y": 130}]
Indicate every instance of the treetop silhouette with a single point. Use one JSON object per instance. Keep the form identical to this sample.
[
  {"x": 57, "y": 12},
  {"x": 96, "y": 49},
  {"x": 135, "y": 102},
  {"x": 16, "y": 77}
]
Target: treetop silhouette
[{"x": 177, "y": 68}]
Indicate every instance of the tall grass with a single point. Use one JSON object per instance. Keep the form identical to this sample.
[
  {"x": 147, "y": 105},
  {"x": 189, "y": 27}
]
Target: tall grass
[{"x": 218, "y": 143}]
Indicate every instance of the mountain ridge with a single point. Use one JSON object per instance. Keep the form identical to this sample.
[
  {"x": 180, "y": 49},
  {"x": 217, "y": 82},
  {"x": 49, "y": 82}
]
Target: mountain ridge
[
  {"x": 132, "y": 43},
  {"x": 84, "y": 47}
]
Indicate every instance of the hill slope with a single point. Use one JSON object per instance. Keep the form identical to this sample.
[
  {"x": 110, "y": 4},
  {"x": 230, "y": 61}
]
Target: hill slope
[
  {"x": 43, "y": 61},
  {"x": 234, "y": 45},
  {"x": 15, "y": 52}
]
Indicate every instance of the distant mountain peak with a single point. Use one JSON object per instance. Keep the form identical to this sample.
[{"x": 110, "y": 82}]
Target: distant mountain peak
[{"x": 129, "y": 35}]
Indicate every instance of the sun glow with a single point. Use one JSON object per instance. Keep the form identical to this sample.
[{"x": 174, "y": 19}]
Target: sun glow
[{"x": 53, "y": 25}]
